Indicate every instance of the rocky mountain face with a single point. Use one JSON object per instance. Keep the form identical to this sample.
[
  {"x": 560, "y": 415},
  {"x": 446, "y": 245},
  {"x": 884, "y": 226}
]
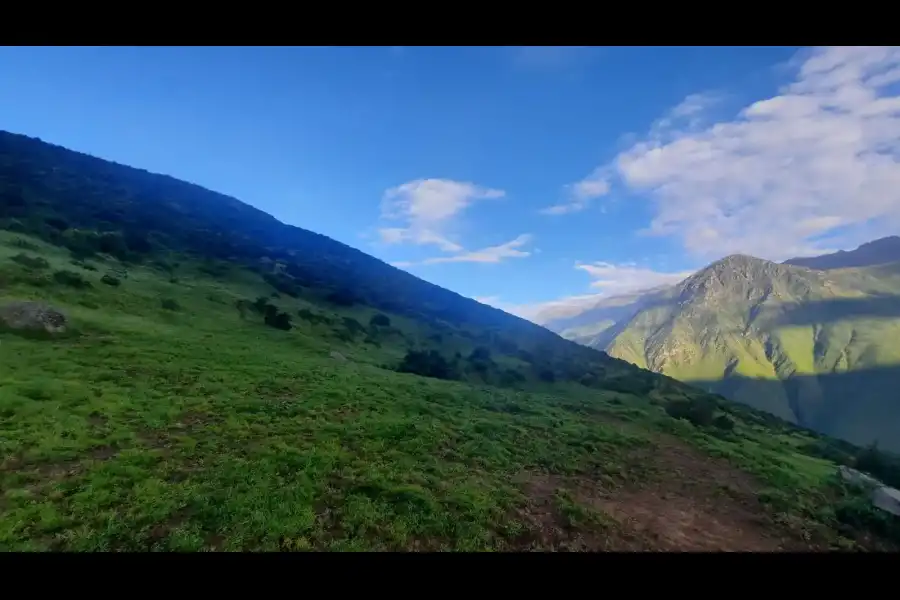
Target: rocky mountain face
[{"x": 813, "y": 345}]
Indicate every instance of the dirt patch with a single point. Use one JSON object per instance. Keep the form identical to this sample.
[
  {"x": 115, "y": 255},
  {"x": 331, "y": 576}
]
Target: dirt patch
[
  {"x": 193, "y": 422},
  {"x": 161, "y": 530},
  {"x": 687, "y": 502}
]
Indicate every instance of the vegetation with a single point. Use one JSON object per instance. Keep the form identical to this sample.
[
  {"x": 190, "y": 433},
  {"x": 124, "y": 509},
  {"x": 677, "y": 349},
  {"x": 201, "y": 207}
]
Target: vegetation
[
  {"x": 364, "y": 410},
  {"x": 814, "y": 347}
]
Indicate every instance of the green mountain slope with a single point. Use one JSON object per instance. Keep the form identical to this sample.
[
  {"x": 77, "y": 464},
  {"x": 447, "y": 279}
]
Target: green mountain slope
[
  {"x": 811, "y": 346},
  {"x": 228, "y": 382}
]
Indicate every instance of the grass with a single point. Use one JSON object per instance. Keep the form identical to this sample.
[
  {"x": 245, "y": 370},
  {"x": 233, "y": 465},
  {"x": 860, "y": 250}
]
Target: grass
[{"x": 194, "y": 429}]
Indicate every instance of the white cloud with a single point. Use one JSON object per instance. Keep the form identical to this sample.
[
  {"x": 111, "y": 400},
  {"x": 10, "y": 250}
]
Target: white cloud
[
  {"x": 427, "y": 208},
  {"x": 491, "y": 254},
  {"x": 526, "y": 311},
  {"x": 611, "y": 280},
  {"x": 811, "y": 168},
  {"x": 627, "y": 278},
  {"x": 580, "y": 194}
]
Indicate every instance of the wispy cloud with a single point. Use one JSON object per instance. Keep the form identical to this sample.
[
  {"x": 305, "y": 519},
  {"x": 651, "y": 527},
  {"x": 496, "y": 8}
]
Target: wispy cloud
[
  {"x": 610, "y": 279},
  {"x": 426, "y": 209},
  {"x": 491, "y": 254},
  {"x": 579, "y": 195},
  {"x": 614, "y": 279},
  {"x": 814, "y": 166}
]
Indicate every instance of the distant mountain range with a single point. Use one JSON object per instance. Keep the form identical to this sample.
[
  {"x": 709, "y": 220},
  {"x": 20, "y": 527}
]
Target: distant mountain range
[{"x": 813, "y": 340}]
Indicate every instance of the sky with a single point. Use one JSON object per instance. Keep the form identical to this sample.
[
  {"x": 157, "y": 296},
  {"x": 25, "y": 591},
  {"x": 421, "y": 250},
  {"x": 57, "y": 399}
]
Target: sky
[{"x": 530, "y": 178}]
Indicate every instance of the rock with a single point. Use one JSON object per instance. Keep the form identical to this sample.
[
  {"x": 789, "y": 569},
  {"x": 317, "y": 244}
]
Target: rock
[
  {"x": 854, "y": 477},
  {"x": 338, "y": 357},
  {"x": 887, "y": 499},
  {"x": 33, "y": 316}
]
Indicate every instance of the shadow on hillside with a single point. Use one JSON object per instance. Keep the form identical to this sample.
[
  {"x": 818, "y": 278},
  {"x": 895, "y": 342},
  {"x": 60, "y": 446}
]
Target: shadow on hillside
[
  {"x": 838, "y": 309},
  {"x": 859, "y": 406}
]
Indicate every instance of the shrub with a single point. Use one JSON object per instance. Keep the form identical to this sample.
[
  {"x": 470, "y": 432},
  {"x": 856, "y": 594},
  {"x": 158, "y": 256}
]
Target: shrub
[
  {"x": 353, "y": 326},
  {"x": 879, "y": 464},
  {"x": 428, "y": 364},
  {"x": 342, "y": 298},
  {"x": 699, "y": 412},
  {"x": 547, "y": 375},
  {"x": 71, "y": 279},
  {"x": 83, "y": 265},
  {"x": 242, "y": 307},
  {"x": 30, "y": 262},
  {"x": 277, "y": 319},
  {"x": 111, "y": 280},
  {"x": 23, "y": 244},
  {"x": 724, "y": 422},
  {"x": 380, "y": 320},
  {"x": 169, "y": 304}
]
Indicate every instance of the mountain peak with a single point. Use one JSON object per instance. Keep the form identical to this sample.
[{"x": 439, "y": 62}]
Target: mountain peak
[{"x": 737, "y": 278}]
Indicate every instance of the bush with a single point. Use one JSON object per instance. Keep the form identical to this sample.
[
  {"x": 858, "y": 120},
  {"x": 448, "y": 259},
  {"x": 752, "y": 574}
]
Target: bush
[
  {"x": 547, "y": 375},
  {"x": 353, "y": 326},
  {"x": 169, "y": 304},
  {"x": 308, "y": 315},
  {"x": 30, "y": 262},
  {"x": 427, "y": 364},
  {"x": 879, "y": 464},
  {"x": 724, "y": 422},
  {"x": 277, "y": 319},
  {"x": 110, "y": 280},
  {"x": 71, "y": 279},
  {"x": 243, "y": 306},
  {"x": 23, "y": 244},
  {"x": 83, "y": 265},
  {"x": 380, "y": 320},
  {"x": 699, "y": 412},
  {"x": 342, "y": 298},
  {"x": 632, "y": 384}
]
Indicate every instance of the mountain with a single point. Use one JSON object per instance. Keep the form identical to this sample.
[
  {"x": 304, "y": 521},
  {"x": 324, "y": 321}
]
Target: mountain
[
  {"x": 877, "y": 252},
  {"x": 214, "y": 379},
  {"x": 814, "y": 347},
  {"x": 595, "y": 325}
]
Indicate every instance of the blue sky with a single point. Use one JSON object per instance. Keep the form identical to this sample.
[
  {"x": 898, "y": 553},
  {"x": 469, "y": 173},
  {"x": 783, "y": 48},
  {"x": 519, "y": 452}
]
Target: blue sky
[{"x": 520, "y": 176}]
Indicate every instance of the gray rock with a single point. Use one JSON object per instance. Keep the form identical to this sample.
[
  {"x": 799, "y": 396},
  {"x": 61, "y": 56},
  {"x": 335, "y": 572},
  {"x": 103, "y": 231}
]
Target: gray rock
[
  {"x": 33, "y": 316},
  {"x": 338, "y": 357},
  {"x": 854, "y": 477},
  {"x": 887, "y": 499}
]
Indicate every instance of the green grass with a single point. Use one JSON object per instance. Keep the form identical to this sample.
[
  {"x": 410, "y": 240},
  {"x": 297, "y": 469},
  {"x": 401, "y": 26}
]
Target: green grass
[{"x": 195, "y": 429}]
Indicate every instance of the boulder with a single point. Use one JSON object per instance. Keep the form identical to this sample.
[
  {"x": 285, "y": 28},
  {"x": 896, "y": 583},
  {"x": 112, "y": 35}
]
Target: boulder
[
  {"x": 33, "y": 316},
  {"x": 887, "y": 499}
]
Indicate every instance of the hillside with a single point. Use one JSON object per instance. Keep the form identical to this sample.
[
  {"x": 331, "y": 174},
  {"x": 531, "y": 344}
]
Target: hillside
[
  {"x": 227, "y": 382},
  {"x": 811, "y": 346}
]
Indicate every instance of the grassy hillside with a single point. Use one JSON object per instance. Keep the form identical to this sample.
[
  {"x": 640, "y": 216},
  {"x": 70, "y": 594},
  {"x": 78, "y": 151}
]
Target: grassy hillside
[
  {"x": 258, "y": 403},
  {"x": 802, "y": 344}
]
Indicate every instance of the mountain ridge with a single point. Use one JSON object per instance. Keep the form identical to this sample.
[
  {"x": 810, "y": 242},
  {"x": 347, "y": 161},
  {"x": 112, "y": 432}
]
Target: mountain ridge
[
  {"x": 880, "y": 251},
  {"x": 781, "y": 327}
]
